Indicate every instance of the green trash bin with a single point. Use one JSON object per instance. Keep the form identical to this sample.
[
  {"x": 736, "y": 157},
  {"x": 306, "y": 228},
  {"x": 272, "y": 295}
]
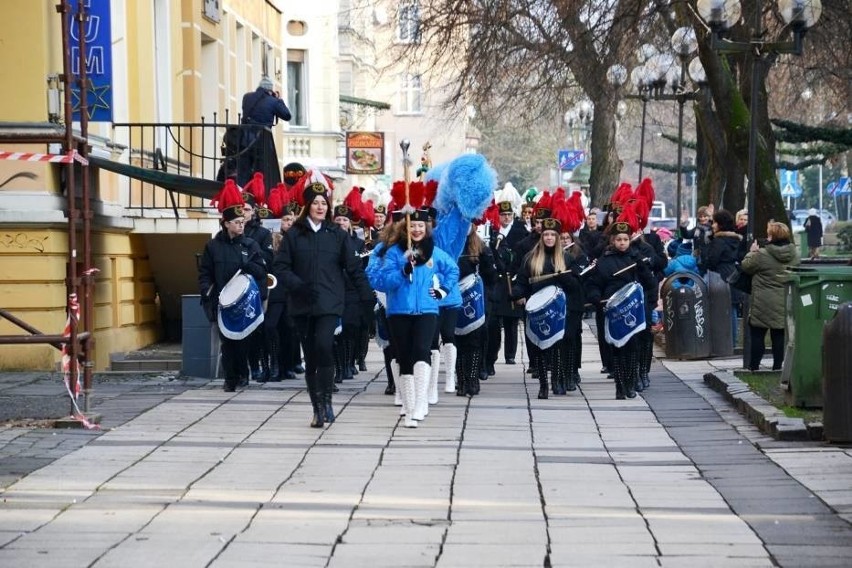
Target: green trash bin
[{"x": 813, "y": 295}]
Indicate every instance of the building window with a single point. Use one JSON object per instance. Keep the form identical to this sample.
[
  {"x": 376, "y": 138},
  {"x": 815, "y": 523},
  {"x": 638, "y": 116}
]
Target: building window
[
  {"x": 409, "y": 21},
  {"x": 410, "y": 94},
  {"x": 296, "y": 83}
]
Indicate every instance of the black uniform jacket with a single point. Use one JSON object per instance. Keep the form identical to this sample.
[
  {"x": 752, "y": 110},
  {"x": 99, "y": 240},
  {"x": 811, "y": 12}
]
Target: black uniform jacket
[
  {"x": 506, "y": 261},
  {"x": 603, "y": 282},
  {"x": 311, "y": 266},
  {"x": 263, "y": 237},
  {"x": 222, "y": 258},
  {"x": 569, "y": 281}
]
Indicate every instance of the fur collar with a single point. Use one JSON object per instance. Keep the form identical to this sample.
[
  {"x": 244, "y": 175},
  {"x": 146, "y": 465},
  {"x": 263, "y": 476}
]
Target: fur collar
[{"x": 729, "y": 234}]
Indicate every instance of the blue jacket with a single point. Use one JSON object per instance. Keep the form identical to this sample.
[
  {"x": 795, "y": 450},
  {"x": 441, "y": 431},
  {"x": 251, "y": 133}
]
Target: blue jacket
[{"x": 411, "y": 296}]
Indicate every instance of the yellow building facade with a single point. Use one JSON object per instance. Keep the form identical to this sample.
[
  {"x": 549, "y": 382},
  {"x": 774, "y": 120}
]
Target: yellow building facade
[{"x": 172, "y": 63}]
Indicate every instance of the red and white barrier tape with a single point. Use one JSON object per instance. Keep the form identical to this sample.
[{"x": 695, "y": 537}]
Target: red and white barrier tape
[{"x": 54, "y": 158}]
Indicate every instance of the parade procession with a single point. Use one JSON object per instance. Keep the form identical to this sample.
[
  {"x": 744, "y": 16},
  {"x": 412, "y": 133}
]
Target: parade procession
[{"x": 426, "y": 283}]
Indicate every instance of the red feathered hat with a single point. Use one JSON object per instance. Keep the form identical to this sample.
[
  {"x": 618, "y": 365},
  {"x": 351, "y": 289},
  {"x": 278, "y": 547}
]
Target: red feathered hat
[
  {"x": 351, "y": 205},
  {"x": 415, "y": 199},
  {"x": 543, "y": 206},
  {"x": 228, "y": 201},
  {"x": 279, "y": 197},
  {"x": 368, "y": 214},
  {"x": 491, "y": 215},
  {"x": 642, "y": 210},
  {"x": 621, "y": 196},
  {"x": 574, "y": 213},
  {"x": 626, "y": 223},
  {"x": 312, "y": 184},
  {"x": 645, "y": 192},
  {"x": 256, "y": 189}
]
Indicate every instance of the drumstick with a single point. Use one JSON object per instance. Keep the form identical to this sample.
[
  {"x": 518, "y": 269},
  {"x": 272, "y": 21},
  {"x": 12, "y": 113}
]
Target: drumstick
[
  {"x": 535, "y": 279},
  {"x": 625, "y": 269}
]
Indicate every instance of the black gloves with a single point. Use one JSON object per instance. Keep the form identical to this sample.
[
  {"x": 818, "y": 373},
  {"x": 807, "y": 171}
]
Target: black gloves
[
  {"x": 438, "y": 293},
  {"x": 407, "y": 268}
]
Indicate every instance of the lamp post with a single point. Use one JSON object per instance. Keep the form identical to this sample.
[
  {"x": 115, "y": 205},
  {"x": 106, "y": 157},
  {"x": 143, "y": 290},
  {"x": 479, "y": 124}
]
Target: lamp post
[{"x": 721, "y": 15}]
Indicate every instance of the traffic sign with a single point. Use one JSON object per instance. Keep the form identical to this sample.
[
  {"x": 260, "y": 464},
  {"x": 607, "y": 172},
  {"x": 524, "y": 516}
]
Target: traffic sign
[
  {"x": 843, "y": 186},
  {"x": 570, "y": 159},
  {"x": 789, "y": 184}
]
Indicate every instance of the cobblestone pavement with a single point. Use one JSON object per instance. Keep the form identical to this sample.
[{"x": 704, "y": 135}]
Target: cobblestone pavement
[{"x": 187, "y": 475}]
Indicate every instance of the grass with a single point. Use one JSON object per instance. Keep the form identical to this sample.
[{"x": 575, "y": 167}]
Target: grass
[{"x": 768, "y": 386}]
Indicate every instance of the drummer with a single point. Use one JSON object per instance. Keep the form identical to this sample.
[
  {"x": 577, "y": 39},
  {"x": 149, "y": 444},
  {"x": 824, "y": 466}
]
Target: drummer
[
  {"x": 346, "y": 342},
  {"x": 617, "y": 267},
  {"x": 226, "y": 253},
  {"x": 475, "y": 260},
  {"x": 547, "y": 258}
]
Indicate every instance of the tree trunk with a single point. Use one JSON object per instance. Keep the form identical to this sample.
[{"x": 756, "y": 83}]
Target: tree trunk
[{"x": 606, "y": 165}]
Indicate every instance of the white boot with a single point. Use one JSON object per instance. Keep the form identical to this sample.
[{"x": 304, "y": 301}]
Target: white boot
[
  {"x": 397, "y": 397},
  {"x": 433, "y": 380},
  {"x": 449, "y": 367},
  {"x": 406, "y": 387},
  {"x": 422, "y": 374}
]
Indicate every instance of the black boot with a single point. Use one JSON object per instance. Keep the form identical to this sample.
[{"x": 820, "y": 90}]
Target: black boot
[
  {"x": 349, "y": 370},
  {"x": 473, "y": 385},
  {"x": 391, "y": 388},
  {"x": 339, "y": 360},
  {"x": 273, "y": 353},
  {"x": 317, "y": 421},
  {"x": 542, "y": 388},
  {"x": 619, "y": 390},
  {"x": 325, "y": 380}
]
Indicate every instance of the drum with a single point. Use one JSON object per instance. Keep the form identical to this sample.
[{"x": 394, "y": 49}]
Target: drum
[
  {"x": 471, "y": 315},
  {"x": 240, "y": 308},
  {"x": 624, "y": 314},
  {"x": 546, "y": 310}
]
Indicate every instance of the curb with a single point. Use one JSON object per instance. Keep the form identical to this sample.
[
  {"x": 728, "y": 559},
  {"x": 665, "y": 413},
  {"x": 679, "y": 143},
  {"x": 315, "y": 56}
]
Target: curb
[{"x": 766, "y": 417}]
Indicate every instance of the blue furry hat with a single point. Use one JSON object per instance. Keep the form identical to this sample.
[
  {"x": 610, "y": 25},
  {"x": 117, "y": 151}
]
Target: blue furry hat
[{"x": 465, "y": 189}]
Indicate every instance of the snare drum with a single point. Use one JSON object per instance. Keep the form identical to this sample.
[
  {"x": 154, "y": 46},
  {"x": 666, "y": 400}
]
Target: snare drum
[
  {"x": 546, "y": 310},
  {"x": 624, "y": 314},
  {"x": 240, "y": 307},
  {"x": 471, "y": 315}
]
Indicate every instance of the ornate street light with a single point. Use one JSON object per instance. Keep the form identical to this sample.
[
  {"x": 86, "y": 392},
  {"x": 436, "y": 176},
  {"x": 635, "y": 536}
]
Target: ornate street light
[{"x": 721, "y": 15}]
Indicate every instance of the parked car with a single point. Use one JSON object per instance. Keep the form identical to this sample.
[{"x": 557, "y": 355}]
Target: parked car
[{"x": 798, "y": 216}]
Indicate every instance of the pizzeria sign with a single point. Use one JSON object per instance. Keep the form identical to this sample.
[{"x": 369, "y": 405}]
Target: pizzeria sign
[{"x": 365, "y": 153}]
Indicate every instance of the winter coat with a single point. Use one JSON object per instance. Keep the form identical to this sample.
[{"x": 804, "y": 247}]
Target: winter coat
[
  {"x": 410, "y": 294},
  {"x": 356, "y": 310},
  {"x": 768, "y": 307},
  {"x": 700, "y": 236},
  {"x": 722, "y": 257},
  {"x": 261, "y": 107},
  {"x": 569, "y": 281},
  {"x": 483, "y": 264},
  {"x": 603, "y": 281},
  {"x": 681, "y": 263},
  {"x": 593, "y": 242},
  {"x": 813, "y": 228},
  {"x": 263, "y": 237},
  {"x": 506, "y": 259},
  {"x": 311, "y": 266},
  {"x": 222, "y": 258}
]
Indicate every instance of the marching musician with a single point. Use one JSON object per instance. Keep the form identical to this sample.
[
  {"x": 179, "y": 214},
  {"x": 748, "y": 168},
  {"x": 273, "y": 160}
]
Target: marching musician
[
  {"x": 415, "y": 275},
  {"x": 226, "y": 253},
  {"x": 347, "y": 341},
  {"x": 505, "y": 314},
  {"x": 257, "y": 349},
  {"x": 282, "y": 344},
  {"x": 617, "y": 267},
  {"x": 476, "y": 258},
  {"x": 548, "y": 258},
  {"x": 567, "y": 367},
  {"x": 315, "y": 254}
]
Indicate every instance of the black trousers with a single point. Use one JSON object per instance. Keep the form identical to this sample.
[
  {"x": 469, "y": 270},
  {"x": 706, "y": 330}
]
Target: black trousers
[
  {"x": 758, "y": 346},
  {"x": 412, "y": 337},
  {"x": 317, "y": 335},
  {"x": 233, "y": 359},
  {"x": 604, "y": 348},
  {"x": 277, "y": 321},
  {"x": 445, "y": 331},
  {"x": 497, "y": 326}
]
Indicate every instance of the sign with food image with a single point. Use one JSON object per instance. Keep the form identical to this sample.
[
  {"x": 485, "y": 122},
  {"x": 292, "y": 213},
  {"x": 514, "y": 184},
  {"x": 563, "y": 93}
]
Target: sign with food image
[{"x": 365, "y": 153}]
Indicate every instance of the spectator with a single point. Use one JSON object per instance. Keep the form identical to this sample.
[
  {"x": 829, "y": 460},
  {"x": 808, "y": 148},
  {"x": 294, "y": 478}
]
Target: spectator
[
  {"x": 723, "y": 256},
  {"x": 813, "y": 230}
]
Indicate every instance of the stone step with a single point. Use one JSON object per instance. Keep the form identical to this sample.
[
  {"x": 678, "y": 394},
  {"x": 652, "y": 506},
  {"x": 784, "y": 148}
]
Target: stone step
[{"x": 145, "y": 365}]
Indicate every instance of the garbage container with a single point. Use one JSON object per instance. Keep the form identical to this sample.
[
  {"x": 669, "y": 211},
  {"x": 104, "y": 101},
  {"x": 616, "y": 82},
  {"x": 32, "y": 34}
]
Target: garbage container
[
  {"x": 837, "y": 376},
  {"x": 685, "y": 313},
  {"x": 813, "y": 295},
  {"x": 719, "y": 320},
  {"x": 200, "y": 340}
]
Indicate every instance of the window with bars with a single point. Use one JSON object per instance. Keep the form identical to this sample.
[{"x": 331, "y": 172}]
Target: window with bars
[
  {"x": 410, "y": 90},
  {"x": 408, "y": 30}
]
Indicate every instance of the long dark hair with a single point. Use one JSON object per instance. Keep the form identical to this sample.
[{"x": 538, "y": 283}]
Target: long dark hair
[{"x": 302, "y": 220}]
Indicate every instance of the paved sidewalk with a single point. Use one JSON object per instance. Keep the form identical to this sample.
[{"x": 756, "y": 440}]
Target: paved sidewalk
[{"x": 205, "y": 478}]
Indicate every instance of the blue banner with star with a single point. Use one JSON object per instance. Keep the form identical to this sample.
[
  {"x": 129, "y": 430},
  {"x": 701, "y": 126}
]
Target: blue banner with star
[{"x": 97, "y": 41}]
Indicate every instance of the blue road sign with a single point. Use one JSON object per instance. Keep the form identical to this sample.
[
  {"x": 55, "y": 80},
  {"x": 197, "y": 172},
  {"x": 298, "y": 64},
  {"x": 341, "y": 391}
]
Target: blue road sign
[
  {"x": 843, "y": 186},
  {"x": 570, "y": 159},
  {"x": 789, "y": 184}
]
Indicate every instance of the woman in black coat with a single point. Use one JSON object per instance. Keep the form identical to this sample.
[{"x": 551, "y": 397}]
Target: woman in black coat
[
  {"x": 618, "y": 266},
  {"x": 722, "y": 256},
  {"x": 476, "y": 259},
  {"x": 225, "y": 254},
  {"x": 313, "y": 263},
  {"x": 547, "y": 258}
]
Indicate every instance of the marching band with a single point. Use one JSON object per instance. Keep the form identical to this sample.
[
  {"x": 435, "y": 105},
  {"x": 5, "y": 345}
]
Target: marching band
[{"x": 440, "y": 271}]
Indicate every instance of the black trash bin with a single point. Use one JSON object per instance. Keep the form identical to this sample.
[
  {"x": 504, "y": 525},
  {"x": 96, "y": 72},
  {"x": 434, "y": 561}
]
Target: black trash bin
[
  {"x": 200, "y": 340},
  {"x": 837, "y": 376},
  {"x": 685, "y": 313},
  {"x": 721, "y": 333}
]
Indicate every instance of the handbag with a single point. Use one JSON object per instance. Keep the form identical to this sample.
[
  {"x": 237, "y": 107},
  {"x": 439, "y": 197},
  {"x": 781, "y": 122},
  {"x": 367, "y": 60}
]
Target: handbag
[{"x": 739, "y": 280}]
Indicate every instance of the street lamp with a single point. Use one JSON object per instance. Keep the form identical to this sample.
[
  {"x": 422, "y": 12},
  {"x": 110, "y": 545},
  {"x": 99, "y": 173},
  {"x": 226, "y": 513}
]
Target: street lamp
[{"x": 721, "y": 15}]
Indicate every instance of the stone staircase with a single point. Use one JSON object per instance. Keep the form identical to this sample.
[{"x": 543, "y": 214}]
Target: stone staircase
[{"x": 156, "y": 357}]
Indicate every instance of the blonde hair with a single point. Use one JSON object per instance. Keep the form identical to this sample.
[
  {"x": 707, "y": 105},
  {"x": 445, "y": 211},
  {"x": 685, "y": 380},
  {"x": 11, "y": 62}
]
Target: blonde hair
[
  {"x": 777, "y": 231},
  {"x": 276, "y": 241},
  {"x": 538, "y": 255}
]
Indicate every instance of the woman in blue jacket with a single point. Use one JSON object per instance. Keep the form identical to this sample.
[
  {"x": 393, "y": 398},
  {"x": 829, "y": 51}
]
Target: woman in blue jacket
[{"x": 415, "y": 278}]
